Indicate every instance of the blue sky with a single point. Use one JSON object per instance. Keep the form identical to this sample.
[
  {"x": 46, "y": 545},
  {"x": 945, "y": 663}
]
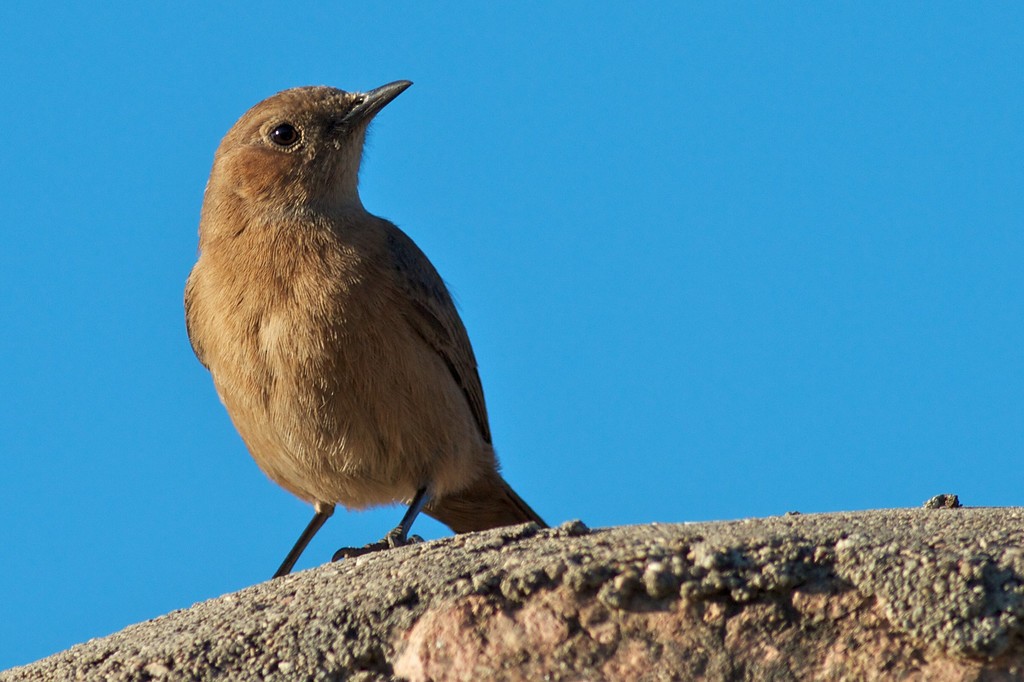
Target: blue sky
[{"x": 717, "y": 261}]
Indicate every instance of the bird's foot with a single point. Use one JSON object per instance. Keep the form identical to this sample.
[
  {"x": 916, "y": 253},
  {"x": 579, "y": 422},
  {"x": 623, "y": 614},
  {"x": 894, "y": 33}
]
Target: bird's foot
[{"x": 389, "y": 541}]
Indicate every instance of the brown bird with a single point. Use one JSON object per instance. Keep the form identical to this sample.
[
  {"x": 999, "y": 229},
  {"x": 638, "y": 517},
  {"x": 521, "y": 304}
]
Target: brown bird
[{"x": 332, "y": 341}]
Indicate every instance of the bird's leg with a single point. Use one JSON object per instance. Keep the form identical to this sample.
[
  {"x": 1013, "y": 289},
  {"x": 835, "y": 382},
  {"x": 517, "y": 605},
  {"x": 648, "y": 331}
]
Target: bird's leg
[
  {"x": 399, "y": 535},
  {"x": 322, "y": 514}
]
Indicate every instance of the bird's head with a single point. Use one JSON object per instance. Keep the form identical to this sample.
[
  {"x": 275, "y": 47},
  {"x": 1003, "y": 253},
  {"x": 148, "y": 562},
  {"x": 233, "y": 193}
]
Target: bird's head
[{"x": 300, "y": 147}]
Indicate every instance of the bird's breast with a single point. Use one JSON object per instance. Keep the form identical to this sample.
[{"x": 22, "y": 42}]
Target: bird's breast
[{"x": 336, "y": 395}]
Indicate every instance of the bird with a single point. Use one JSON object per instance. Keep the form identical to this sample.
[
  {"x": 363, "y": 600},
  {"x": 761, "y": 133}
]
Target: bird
[{"x": 331, "y": 339}]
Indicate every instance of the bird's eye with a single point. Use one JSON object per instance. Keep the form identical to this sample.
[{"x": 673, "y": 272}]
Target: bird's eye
[{"x": 284, "y": 135}]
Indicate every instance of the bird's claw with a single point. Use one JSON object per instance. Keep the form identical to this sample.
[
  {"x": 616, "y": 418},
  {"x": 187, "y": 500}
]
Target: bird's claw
[{"x": 389, "y": 541}]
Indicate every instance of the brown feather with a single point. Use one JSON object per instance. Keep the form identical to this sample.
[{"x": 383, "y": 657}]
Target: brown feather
[
  {"x": 489, "y": 503},
  {"x": 332, "y": 340}
]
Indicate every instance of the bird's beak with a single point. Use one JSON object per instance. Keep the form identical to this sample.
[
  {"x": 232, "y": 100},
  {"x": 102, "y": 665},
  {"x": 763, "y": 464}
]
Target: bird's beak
[{"x": 374, "y": 101}]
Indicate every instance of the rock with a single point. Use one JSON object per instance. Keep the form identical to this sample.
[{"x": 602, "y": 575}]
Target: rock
[
  {"x": 943, "y": 501},
  {"x": 933, "y": 594}
]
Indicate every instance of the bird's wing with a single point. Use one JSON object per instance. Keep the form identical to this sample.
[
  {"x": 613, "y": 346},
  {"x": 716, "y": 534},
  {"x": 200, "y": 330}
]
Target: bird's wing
[
  {"x": 433, "y": 316},
  {"x": 190, "y": 315}
]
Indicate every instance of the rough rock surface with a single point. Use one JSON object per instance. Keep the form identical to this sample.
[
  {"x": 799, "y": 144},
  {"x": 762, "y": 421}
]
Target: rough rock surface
[{"x": 929, "y": 594}]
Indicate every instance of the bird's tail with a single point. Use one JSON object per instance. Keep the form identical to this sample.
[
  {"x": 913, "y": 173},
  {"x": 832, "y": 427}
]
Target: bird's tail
[{"x": 488, "y": 503}]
